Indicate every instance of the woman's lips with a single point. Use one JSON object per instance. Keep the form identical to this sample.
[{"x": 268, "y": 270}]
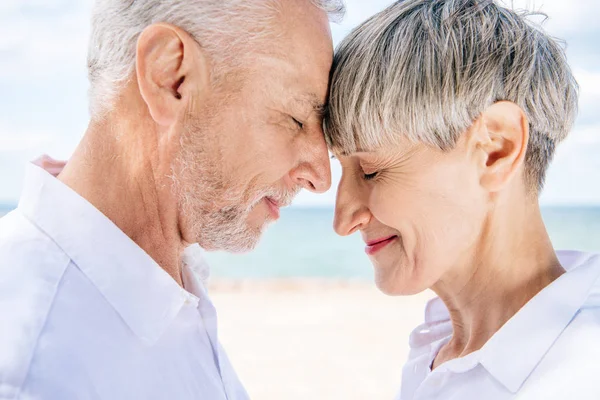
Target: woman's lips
[{"x": 375, "y": 245}]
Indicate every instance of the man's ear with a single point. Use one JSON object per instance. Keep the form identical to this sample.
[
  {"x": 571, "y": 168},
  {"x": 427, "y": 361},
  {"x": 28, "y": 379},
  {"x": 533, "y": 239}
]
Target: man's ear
[
  {"x": 500, "y": 135},
  {"x": 170, "y": 68}
]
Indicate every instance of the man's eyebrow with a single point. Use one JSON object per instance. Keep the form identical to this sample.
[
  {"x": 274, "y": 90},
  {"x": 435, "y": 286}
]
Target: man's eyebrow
[
  {"x": 320, "y": 109},
  {"x": 312, "y": 101}
]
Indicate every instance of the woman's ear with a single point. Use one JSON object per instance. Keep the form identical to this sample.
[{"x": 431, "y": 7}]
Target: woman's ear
[
  {"x": 170, "y": 68},
  {"x": 501, "y": 138}
]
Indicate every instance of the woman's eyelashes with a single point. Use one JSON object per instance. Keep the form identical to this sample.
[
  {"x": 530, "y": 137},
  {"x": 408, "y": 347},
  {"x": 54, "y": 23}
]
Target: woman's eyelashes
[{"x": 369, "y": 177}]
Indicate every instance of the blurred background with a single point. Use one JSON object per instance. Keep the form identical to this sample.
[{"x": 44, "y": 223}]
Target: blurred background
[{"x": 299, "y": 316}]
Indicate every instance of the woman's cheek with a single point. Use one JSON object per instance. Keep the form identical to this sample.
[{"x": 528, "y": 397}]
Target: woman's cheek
[{"x": 386, "y": 203}]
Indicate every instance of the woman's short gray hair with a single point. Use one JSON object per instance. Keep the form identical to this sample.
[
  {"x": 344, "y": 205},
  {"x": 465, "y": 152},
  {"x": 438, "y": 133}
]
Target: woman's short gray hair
[
  {"x": 225, "y": 28},
  {"x": 427, "y": 69}
]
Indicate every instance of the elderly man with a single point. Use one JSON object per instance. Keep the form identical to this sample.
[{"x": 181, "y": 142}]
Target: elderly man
[{"x": 205, "y": 120}]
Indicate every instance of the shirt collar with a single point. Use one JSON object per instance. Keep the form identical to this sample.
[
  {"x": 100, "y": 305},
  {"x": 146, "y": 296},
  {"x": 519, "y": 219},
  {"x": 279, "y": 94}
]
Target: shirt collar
[
  {"x": 195, "y": 273},
  {"x": 141, "y": 292},
  {"x": 534, "y": 329}
]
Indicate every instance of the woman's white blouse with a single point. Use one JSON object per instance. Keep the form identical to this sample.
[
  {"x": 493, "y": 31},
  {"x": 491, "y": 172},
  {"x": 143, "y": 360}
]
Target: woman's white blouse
[{"x": 549, "y": 350}]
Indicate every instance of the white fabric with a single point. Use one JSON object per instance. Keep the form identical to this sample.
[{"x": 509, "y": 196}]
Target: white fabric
[
  {"x": 549, "y": 350},
  {"x": 86, "y": 314}
]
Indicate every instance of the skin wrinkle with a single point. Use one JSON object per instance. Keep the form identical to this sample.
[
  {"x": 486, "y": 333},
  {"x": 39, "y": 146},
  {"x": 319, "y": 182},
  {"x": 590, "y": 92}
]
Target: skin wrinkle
[{"x": 180, "y": 159}]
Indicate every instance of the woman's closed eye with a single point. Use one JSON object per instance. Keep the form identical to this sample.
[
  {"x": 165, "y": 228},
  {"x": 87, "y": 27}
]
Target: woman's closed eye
[{"x": 369, "y": 177}]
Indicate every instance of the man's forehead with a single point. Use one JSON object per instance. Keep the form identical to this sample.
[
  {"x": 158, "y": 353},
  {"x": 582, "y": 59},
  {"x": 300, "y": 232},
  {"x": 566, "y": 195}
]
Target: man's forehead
[
  {"x": 281, "y": 77},
  {"x": 291, "y": 70}
]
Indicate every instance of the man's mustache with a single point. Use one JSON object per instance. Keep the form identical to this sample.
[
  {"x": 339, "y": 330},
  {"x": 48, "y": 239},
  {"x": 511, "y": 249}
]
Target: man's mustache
[{"x": 283, "y": 198}]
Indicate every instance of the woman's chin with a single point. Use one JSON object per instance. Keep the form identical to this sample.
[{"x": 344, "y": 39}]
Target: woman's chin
[
  {"x": 395, "y": 285},
  {"x": 395, "y": 275}
]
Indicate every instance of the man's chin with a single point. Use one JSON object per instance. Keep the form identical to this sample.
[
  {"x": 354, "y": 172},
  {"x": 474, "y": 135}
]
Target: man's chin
[
  {"x": 231, "y": 247},
  {"x": 233, "y": 235},
  {"x": 241, "y": 250},
  {"x": 252, "y": 237},
  {"x": 239, "y": 243},
  {"x": 241, "y": 247}
]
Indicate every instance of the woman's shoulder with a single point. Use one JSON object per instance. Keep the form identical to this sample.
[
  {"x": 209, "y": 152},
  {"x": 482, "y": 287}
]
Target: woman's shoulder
[
  {"x": 586, "y": 323},
  {"x": 568, "y": 370},
  {"x": 583, "y": 273},
  {"x": 567, "y": 367}
]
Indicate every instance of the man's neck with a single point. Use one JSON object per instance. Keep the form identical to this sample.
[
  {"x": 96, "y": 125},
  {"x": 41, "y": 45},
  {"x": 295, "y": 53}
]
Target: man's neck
[
  {"x": 513, "y": 262},
  {"x": 125, "y": 177}
]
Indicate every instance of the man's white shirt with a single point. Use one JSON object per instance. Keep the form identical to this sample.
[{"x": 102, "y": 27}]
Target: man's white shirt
[
  {"x": 85, "y": 313},
  {"x": 549, "y": 350}
]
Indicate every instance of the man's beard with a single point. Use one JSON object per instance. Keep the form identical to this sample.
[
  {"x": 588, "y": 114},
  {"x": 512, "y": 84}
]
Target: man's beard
[
  {"x": 227, "y": 227},
  {"x": 215, "y": 209}
]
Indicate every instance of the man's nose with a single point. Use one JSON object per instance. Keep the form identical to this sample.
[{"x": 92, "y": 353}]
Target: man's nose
[
  {"x": 351, "y": 211},
  {"x": 314, "y": 171}
]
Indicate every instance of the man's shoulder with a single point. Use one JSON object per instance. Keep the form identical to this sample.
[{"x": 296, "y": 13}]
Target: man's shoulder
[
  {"x": 31, "y": 268},
  {"x": 29, "y": 259},
  {"x": 22, "y": 242}
]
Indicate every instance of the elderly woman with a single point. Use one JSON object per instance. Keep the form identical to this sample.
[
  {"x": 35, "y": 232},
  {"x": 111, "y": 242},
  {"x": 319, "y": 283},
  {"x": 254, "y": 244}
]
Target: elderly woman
[{"x": 444, "y": 115}]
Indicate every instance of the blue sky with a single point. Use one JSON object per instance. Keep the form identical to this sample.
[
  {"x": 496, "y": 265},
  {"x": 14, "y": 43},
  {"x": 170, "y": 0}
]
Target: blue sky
[{"x": 43, "y": 84}]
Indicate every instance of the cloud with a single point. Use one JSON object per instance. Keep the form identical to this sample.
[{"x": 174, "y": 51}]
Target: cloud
[
  {"x": 18, "y": 140},
  {"x": 589, "y": 95},
  {"x": 356, "y": 12},
  {"x": 23, "y": 142},
  {"x": 42, "y": 39},
  {"x": 565, "y": 18},
  {"x": 573, "y": 177},
  {"x": 581, "y": 147},
  {"x": 18, "y": 146},
  {"x": 589, "y": 81}
]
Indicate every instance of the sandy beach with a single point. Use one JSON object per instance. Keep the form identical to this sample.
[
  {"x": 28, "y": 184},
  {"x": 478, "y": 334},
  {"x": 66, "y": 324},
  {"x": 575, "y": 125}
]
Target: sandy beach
[{"x": 310, "y": 339}]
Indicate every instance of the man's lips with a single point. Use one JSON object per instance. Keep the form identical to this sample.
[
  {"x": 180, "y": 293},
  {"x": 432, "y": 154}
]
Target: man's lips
[
  {"x": 373, "y": 246},
  {"x": 273, "y": 207}
]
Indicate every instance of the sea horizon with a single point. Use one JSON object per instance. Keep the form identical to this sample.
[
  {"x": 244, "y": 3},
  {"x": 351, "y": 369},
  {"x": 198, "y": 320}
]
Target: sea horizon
[
  {"x": 303, "y": 245},
  {"x": 6, "y": 207}
]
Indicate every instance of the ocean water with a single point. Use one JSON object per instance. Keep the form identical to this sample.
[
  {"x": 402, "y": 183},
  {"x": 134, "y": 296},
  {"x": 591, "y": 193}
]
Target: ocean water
[{"x": 302, "y": 244}]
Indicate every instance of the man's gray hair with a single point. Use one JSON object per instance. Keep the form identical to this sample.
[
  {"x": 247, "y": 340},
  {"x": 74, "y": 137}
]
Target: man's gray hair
[
  {"x": 427, "y": 69},
  {"x": 225, "y": 28}
]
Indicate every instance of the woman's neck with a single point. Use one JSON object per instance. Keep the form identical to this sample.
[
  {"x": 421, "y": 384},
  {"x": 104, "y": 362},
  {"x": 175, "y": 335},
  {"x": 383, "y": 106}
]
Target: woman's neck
[{"x": 513, "y": 261}]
